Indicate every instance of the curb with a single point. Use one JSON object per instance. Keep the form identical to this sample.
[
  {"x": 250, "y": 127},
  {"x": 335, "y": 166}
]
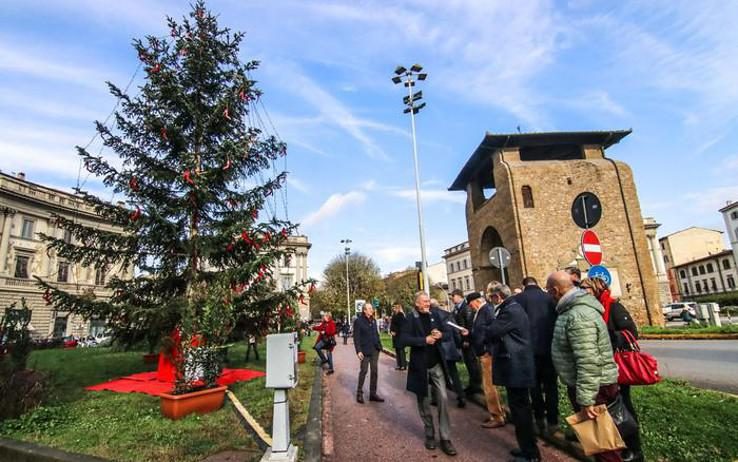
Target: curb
[
  {"x": 312, "y": 443},
  {"x": 21, "y": 451},
  {"x": 688, "y": 337},
  {"x": 570, "y": 447}
]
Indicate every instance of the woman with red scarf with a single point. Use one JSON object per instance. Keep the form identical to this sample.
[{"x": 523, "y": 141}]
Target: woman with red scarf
[
  {"x": 618, "y": 320},
  {"x": 326, "y": 340}
]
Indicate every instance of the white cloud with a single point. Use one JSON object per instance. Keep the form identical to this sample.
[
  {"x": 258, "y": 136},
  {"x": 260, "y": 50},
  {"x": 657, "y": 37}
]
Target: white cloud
[
  {"x": 297, "y": 184},
  {"x": 710, "y": 200},
  {"x": 432, "y": 195},
  {"x": 332, "y": 110},
  {"x": 332, "y": 206},
  {"x": 16, "y": 59},
  {"x": 395, "y": 254}
]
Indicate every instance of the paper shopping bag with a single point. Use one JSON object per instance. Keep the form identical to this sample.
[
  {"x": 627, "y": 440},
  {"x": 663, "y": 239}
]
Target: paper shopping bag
[{"x": 596, "y": 435}]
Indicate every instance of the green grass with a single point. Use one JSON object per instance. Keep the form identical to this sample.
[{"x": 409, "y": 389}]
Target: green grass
[
  {"x": 129, "y": 426},
  {"x": 679, "y": 423},
  {"x": 702, "y": 329}
]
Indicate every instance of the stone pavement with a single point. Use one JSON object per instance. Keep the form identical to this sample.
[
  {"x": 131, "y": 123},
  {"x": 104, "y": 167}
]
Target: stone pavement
[{"x": 392, "y": 431}]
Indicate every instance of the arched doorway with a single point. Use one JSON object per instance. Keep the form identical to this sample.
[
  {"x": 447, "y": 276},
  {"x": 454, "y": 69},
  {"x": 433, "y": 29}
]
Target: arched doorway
[{"x": 490, "y": 239}]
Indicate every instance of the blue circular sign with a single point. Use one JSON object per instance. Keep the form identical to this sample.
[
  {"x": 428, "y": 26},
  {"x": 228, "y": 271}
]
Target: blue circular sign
[{"x": 599, "y": 271}]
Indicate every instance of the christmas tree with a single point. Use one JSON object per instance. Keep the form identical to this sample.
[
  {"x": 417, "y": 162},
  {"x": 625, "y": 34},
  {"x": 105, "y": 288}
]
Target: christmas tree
[{"x": 201, "y": 256}]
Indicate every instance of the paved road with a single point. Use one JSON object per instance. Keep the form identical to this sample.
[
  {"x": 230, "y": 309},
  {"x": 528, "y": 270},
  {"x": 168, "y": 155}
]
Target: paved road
[
  {"x": 392, "y": 431},
  {"x": 704, "y": 363}
]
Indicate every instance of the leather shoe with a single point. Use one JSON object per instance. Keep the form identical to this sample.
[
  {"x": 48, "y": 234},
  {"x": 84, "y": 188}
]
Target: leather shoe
[
  {"x": 360, "y": 398},
  {"x": 461, "y": 403},
  {"x": 448, "y": 448},
  {"x": 517, "y": 452},
  {"x": 376, "y": 399},
  {"x": 493, "y": 424},
  {"x": 430, "y": 443},
  {"x": 632, "y": 456}
]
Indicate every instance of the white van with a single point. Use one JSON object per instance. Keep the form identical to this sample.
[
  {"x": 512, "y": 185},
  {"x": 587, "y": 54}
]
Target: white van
[{"x": 673, "y": 311}]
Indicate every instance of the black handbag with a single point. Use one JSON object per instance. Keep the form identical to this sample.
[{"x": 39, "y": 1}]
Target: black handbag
[
  {"x": 627, "y": 425},
  {"x": 330, "y": 342}
]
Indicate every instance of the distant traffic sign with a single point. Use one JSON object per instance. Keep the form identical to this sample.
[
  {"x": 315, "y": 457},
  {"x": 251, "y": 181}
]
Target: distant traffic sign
[
  {"x": 599, "y": 271},
  {"x": 499, "y": 257},
  {"x": 591, "y": 247},
  {"x": 586, "y": 210}
]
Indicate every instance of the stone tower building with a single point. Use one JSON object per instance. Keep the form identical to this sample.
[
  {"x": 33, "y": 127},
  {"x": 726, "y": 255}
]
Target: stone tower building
[{"x": 520, "y": 189}]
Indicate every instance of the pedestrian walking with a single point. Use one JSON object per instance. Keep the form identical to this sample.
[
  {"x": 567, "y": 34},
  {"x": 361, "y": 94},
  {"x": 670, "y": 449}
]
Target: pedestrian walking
[
  {"x": 398, "y": 319},
  {"x": 514, "y": 368},
  {"x": 581, "y": 351},
  {"x": 326, "y": 341},
  {"x": 251, "y": 346},
  {"x": 368, "y": 346},
  {"x": 541, "y": 310},
  {"x": 463, "y": 316},
  {"x": 483, "y": 317},
  {"x": 423, "y": 332},
  {"x": 451, "y": 345},
  {"x": 618, "y": 320},
  {"x": 345, "y": 331}
]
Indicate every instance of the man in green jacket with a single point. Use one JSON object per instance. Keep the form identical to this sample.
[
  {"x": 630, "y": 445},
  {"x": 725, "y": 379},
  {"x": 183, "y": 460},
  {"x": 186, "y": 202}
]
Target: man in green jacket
[{"x": 581, "y": 350}]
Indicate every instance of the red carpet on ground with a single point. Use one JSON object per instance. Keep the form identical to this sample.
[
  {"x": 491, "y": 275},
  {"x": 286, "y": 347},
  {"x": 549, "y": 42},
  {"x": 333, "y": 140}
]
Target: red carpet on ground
[{"x": 146, "y": 382}]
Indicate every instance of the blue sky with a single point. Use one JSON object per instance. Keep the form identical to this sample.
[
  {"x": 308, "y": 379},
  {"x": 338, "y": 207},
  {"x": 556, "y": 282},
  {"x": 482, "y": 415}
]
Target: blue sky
[{"x": 666, "y": 69}]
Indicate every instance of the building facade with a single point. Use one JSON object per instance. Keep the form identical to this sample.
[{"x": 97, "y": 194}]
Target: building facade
[
  {"x": 437, "y": 274},
  {"x": 521, "y": 190},
  {"x": 684, "y": 246},
  {"x": 293, "y": 269},
  {"x": 730, "y": 215},
  {"x": 708, "y": 275},
  {"x": 459, "y": 268},
  {"x": 657, "y": 260},
  {"x": 26, "y": 209}
]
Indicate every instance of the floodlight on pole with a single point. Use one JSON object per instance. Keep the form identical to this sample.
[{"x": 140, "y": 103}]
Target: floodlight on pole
[
  {"x": 410, "y": 76},
  {"x": 347, "y": 252}
]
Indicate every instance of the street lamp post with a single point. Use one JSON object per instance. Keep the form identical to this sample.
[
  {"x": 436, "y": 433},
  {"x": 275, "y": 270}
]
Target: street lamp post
[
  {"x": 347, "y": 251},
  {"x": 410, "y": 76}
]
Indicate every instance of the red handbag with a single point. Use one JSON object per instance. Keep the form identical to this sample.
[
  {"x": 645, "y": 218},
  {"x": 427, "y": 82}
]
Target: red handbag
[{"x": 636, "y": 367}]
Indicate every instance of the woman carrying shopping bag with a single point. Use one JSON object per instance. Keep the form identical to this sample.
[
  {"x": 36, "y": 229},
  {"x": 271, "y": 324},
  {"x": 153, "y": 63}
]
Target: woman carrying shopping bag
[{"x": 622, "y": 329}]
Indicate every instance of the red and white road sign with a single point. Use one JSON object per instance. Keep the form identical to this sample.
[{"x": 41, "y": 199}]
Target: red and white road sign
[{"x": 591, "y": 248}]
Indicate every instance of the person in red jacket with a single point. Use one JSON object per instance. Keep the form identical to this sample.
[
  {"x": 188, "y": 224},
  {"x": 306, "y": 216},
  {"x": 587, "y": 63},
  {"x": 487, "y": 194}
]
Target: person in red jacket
[{"x": 326, "y": 340}]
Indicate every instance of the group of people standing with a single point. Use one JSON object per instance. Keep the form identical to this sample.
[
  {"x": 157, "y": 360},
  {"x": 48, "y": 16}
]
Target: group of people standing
[{"x": 524, "y": 342}]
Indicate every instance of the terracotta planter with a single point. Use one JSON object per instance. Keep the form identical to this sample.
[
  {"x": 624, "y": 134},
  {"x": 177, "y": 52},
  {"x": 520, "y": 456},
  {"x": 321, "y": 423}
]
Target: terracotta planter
[
  {"x": 300, "y": 357},
  {"x": 203, "y": 401},
  {"x": 151, "y": 358}
]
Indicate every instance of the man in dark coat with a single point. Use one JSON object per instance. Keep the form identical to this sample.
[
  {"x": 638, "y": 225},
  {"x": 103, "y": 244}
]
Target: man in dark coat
[
  {"x": 464, "y": 316},
  {"x": 398, "y": 319},
  {"x": 541, "y": 310},
  {"x": 483, "y": 317},
  {"x": 422, "y": 332},
  {"x": 514, "y": 368},
  {"x": 451, "y": 345},
  {"x": 368, "y": 346}
]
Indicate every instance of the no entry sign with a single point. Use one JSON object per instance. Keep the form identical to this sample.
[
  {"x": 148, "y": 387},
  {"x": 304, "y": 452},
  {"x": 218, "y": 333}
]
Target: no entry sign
[{"x": 591, "y": 248}]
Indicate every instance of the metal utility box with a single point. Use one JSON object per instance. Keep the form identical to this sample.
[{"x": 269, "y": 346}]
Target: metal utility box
[{"x": 281, "y": 361}]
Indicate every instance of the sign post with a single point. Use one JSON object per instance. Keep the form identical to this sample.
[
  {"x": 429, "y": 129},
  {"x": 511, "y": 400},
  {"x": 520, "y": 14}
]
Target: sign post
[
  {"x": 500, "y": 258},
  {"x": 591, "y": 248}
]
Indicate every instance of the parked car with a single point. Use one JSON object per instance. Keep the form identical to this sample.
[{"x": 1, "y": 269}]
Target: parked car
[{"x": 673, "y": 311}]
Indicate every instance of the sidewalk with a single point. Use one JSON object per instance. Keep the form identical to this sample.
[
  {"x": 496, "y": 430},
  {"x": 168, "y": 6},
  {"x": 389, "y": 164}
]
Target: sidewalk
[{"x": 392, "y": 431}]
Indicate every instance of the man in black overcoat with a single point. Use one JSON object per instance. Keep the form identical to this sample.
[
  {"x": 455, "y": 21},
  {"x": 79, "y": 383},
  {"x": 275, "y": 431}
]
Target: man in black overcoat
[
  {"x": 514, "y": 368},
  {"x": 541, "y": 310},
  {"x": 464, "y": 316},
  {"x": 422, "y": 332},
  {"x": 398, "y": 319},
  {"x": 368, "y": 346}
]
